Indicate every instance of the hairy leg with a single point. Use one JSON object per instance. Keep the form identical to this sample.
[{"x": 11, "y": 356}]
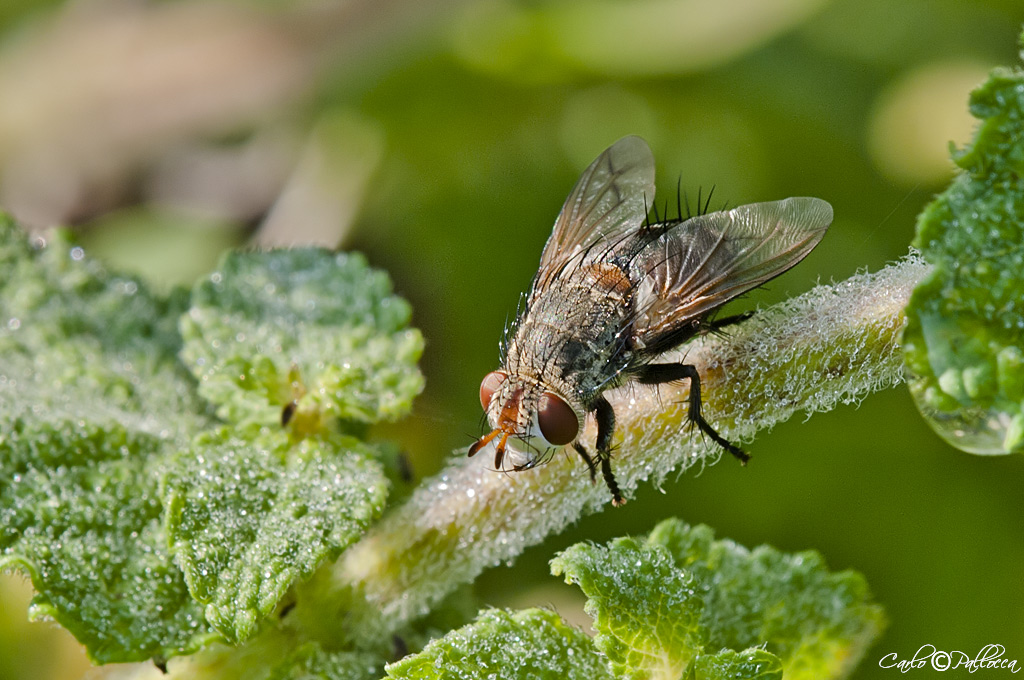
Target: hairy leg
[
  {"x": 605, "y": 417},
  {"x": 657, "y": 374},
  {"x": 605, "y": 427},
  {"x": 726, "y": 321},
  {"x": 591, "y": 466}
]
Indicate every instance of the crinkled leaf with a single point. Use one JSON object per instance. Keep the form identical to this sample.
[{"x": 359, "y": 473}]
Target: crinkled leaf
[
  {"x": 662, "y": 607},
  {"x": 92, "y": 401},
  {"x": 305, "y": 325},
  {"x": 964, "y": 338},
  {"x": 79, "y": 511},
  {"x": 246, "y": 519},
  {"x": 819, "y": 623},
  {"x": 77, "y": 341},
  {"x": 750, "y": 664},
  {"x": 533, "y": 643},
  {"x": 95, "y": 407},
  {"x": 646, "y": 610},
  {"x": 50, "y": 291}
]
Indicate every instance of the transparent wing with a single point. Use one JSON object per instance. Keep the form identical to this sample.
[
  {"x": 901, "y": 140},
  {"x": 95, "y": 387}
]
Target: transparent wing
[
  {"x": 610, "y": 200},
  {"x": 709, "y": 259}
]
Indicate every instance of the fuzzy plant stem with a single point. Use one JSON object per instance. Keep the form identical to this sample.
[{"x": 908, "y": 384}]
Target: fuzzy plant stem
[{"x": 835, "y": 344}]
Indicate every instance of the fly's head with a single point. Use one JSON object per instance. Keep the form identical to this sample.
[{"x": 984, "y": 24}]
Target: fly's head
[{"x": 524, "y": 410}]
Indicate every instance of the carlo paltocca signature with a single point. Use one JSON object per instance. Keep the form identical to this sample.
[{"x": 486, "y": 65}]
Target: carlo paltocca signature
[{"x": 990, "y": 657}]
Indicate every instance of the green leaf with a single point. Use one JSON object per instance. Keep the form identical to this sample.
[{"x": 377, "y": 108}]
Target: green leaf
[
  {"x": 80, "y": 514},
  {"x": 78, "y": 341},
  {"x": 93, "y": 401},
  {"x": 247, "y": 519},
  {"x": 817, "y": 622},
  {"x": 533, "y": 643},
  {"x": 677, "y": 605},
  {"x": 97, "y": 409},
  {"x": 52, "y": 291},
  {"x": 663, "y": 607},
  {"x": 646, "y": 611},
  {"x": 965, "y": 322},
  {"x": 307, "y": 326},
  {"x": 750, "y": 664}
]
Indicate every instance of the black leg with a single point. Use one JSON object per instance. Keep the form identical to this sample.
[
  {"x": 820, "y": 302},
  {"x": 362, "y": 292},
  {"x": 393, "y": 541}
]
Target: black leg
[
  {"x": 722, "y": 322},
  {"x": 605, "y": 417},
  {"x": 657, "y": 374},
  {"x": 605, "y": 427},
  {"x": 586, "y": 459},
  {"x": 609, "y": 479}
]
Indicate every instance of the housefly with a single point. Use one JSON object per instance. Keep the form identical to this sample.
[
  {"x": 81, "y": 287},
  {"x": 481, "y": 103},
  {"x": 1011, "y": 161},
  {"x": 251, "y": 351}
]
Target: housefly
[{"x": 613, "y": 292}]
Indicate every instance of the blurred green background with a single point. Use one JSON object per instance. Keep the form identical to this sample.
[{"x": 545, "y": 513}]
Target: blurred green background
[{"x": 442, "y": 137}]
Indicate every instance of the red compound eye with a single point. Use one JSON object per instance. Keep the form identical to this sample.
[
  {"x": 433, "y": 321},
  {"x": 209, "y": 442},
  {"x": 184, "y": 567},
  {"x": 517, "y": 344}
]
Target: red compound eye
[
  {"x": 491, "y": 382},
  {"x": 557, "y": 420}
]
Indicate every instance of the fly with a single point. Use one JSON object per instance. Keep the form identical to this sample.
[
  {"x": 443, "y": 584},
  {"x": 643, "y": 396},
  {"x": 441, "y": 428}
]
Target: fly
[{"x": 613, "y": 292}]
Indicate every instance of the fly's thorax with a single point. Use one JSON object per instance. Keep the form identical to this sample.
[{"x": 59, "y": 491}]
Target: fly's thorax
[{"x": 576, "y": 334}]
